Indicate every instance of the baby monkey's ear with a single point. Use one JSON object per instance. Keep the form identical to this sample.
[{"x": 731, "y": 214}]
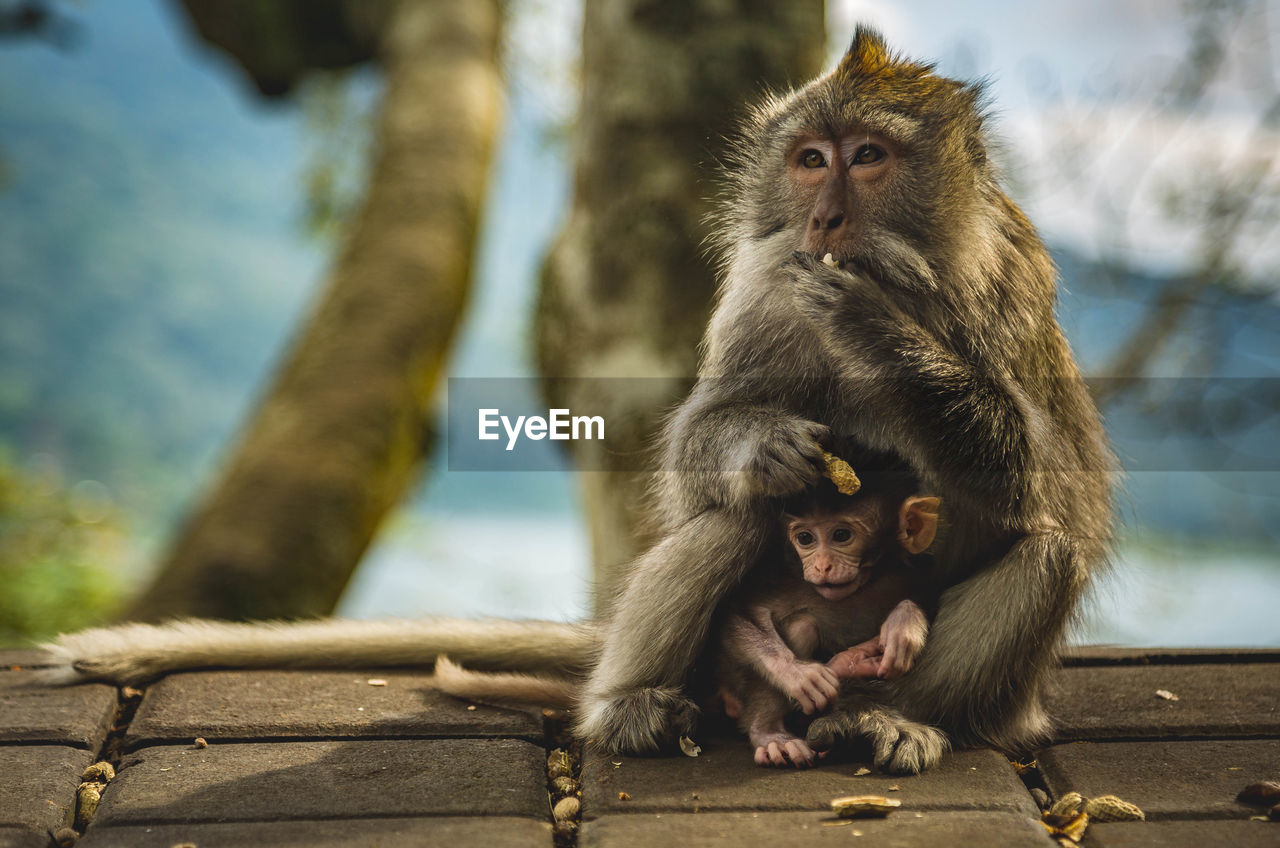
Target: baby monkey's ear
[{"x": 918, "y": 523}]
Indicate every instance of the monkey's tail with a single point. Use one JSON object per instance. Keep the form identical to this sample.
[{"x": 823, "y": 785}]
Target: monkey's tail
[
  {"x": 505, "y": 686},
  {"x": 132, "y": 653}
]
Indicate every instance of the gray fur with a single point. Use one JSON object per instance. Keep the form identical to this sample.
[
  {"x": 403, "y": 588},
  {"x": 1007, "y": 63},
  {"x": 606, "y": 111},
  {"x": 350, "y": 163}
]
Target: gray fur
[{"x": 937, "y": 343}]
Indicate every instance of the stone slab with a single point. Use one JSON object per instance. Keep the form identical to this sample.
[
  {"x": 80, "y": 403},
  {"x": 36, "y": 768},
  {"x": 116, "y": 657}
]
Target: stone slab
[
  {"x": 1121, "y": 702},
  {"x": 332, "y": 779},
  {"x": 16, "y": 837},
  {"x": 1167, "y": 779},
  {"x": 20, "y": 658},
  {"x": 31, "y": 711},
  {"x": 495, "y": 832},
  {"x": 1079, "y": 655},
  {"x": 249, "y": 705},
  {"x": 726, "y": 778},
  {"x": 38, "y": 784},
  {"x": 900, "y": 830},
  {"x": 1184, "y": 834}
]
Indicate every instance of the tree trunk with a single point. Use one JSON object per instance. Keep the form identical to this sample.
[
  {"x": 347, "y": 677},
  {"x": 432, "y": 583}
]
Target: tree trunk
[
  {"x": 627, "y": 289},
  {"x": 338, "y": 437}
]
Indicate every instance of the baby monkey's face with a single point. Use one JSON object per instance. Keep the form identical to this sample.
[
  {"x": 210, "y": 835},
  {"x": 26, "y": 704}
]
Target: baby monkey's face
[
  {"x": 839, "y": 547},
  {"x": 835, "y": 548}
]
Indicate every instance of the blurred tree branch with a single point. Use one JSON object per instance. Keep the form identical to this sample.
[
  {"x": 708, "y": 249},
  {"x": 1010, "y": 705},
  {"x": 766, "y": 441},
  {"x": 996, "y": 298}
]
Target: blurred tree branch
[
  {"x": 1226, "y": 201},
  {"x": 342, "y": 429},
  {"x": 1218, "y": 189},
  {"x": 628, "y": 286}
]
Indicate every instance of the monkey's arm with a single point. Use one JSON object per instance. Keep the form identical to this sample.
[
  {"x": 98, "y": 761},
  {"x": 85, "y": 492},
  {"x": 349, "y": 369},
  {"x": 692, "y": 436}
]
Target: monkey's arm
[
  {"x": 902, "y": 635},
  {"x": 971, "y": 426},
  {"x": 732, "y": 442},
  {"x": 893, "y": 650},
  {"x": 753, "y": 640}
]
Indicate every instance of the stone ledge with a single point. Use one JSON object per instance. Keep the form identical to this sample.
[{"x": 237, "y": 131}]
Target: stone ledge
[
  {"x": 255, "y": 782},
  {"x": 496, "y": 832},
  {"x": 39, "y": 783},
  {"x": 726, "y": 778},
  {"x": 1185, "y": 834},
  {"x": 16, "y": 837},
  {"x": 15, "y": 659},
  {"x": 1086, "y": 655},
  {"x": 903, "y": 829},
  {"x": 1121, "y": 702},
  {"x": 31, "y": 711},
  {"x": 249, "y": 705},
  {"x": 1167, "y": 779}
]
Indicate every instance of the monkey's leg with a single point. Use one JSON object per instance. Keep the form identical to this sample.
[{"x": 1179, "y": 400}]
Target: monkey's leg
[
  {"x": 993, "y": 641},
  {"x": 900, "y": 746},
  {"x": 132, "y": 653},
  {"x": 633, "y": 699}
]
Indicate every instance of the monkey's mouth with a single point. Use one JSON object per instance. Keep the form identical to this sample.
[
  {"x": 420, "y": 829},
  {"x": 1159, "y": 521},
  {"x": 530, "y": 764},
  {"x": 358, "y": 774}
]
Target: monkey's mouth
[
  {"x": 838, "y": 591},
  {"x": 816, "y": 258}
]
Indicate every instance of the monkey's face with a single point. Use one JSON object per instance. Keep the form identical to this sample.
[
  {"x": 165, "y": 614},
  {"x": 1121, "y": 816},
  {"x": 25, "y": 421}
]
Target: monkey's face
[
  {"x": 835, "y": 550},
  {"x": 880, "y": 163},
  {"x": 837, "y": 179}
]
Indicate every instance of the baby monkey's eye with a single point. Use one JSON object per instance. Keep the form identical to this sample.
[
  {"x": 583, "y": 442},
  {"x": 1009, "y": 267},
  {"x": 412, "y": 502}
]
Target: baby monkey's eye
[
  {"x": 868, "y": 154},
  {"x": 804, "y": 537},
  {"x": 812, "y": 159},
  {"x": 841, "y": 535}
]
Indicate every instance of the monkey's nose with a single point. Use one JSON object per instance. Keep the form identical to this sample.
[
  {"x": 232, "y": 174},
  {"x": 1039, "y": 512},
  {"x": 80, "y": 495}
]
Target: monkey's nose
[{"x": 828, "y": 222}]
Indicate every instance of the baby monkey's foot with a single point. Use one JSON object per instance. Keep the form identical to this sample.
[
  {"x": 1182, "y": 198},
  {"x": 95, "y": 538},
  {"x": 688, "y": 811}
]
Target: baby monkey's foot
[{"x": 782, "y": 750}]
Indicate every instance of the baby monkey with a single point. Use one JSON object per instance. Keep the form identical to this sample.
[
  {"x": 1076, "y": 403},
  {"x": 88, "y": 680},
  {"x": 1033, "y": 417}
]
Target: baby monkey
[{"x": 859, "y": 578}]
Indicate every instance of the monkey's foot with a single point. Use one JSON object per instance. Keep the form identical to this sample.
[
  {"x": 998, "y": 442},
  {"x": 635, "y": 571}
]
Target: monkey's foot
[
  {"x": 782, "y": 750},
  {"x": 642, "y": 720},
  {"x": 901, "y": 746}
]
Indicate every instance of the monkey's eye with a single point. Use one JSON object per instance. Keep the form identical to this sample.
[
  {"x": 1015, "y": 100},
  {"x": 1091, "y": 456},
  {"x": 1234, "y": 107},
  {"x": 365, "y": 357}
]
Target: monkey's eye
[
  {"x": 841, "y": 534},
  {"x": 868, "y": 154},
  {"x": 812, "y": 159},
  {"x": 804, "y": 537}
]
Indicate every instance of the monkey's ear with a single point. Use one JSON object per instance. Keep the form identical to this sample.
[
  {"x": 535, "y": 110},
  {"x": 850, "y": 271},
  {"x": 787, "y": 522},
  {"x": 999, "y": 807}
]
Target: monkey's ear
[
  {"x": 918, "y": 523},
  {"x": 866, "y": 55}
]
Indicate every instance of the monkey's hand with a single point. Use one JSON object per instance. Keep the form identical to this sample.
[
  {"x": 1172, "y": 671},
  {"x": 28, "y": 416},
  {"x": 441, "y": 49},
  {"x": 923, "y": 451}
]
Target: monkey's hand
[
  {"x": 832, "y": 295},
  {"x": 639, "y": 721},
  {"x": 861, "y": 661},
  {"x": 902, "y": 636},
  {"x": 811, "y": 685},
  {"x": 783, "y": 458}
]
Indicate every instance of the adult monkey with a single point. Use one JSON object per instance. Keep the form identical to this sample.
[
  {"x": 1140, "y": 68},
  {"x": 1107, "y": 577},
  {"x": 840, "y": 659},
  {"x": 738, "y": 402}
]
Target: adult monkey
[{"x": 936, "y": 342}]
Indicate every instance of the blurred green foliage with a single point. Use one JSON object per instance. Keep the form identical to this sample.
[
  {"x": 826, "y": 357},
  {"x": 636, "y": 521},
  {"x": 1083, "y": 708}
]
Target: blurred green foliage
[{"x": 58, "y": 549}]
